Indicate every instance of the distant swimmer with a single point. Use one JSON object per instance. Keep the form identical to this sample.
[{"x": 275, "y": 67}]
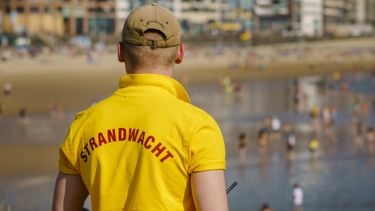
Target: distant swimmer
[
  {"x": 297, "y": 197},
  {"x": 7, "y": 88},
  {"x": 276, "y": 126},
  {"x": 23, "y": 118},
  {"x": 242, "y": 143},
  {"x": 291, "y": 141},
  {"x": 265, "y": 207},
  {"x": 1, "y": 109},
  {"x": 314, "y": 144},
  {"x": 263, "y": 136},
  {"x": 370, "y": 138},
  {"x": 370, "y": 134}
]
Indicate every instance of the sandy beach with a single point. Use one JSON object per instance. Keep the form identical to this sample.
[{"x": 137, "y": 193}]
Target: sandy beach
[
  {"x": 56, "y": 76},
  {"x": 28, "y": 159}
]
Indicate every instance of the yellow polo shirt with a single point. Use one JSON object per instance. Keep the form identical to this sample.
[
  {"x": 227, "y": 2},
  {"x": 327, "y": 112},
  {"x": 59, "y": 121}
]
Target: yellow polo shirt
[{"x": 136, "y": 149}]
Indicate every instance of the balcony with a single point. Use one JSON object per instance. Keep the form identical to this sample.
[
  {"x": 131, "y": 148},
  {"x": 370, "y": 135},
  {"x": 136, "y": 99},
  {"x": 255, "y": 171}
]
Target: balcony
[{"x": 264, "y": 2}]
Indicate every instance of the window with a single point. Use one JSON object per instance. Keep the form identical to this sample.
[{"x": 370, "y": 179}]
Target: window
[
  {"x": 7, "y": 10},
  {"x": 34, "y": 9},
  {"x": 20, "y": 10},
  {"x": 102, "y": 25}
]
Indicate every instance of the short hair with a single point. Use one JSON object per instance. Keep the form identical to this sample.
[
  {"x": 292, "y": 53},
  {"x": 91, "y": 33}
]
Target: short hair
[{"x": 145, "y": 56}]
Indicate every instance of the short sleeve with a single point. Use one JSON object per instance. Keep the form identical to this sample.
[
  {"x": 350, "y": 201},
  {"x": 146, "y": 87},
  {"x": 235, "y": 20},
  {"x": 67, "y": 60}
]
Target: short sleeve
[
  {"x": 67, "y": 159},
  {"x": 207, "y": 149}
]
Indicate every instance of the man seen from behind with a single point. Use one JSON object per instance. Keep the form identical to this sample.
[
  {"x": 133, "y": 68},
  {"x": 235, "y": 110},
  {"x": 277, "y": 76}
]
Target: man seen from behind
[{"x": 145, "y": 147}]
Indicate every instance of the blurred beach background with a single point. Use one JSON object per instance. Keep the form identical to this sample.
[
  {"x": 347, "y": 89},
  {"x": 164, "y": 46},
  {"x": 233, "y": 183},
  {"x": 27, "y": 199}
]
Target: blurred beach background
[{"x": 297, "y": 110}]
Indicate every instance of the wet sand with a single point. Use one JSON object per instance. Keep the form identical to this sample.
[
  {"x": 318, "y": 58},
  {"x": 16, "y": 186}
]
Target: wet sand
[{"x": 27, "y": 159}]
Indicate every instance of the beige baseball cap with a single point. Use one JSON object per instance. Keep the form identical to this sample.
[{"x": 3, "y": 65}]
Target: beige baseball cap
[{"x": 152, "y": 17}]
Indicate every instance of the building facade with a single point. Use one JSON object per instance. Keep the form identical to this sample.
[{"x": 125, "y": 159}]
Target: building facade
[
  {"x": 338, "y": 15},
  {"x": 348, "y": 17},
  {"x": 95, "y": 17},
  {"x": 265, "y": 17},
  {"x": 271, "y": 17},
  {"x": 62, "y": 17},
  {"x": 23, "y": 16},
  {"x": 315, "y": 18},
  {"x": 307, "y": 18},
  {"x": 370, "y": 12}
]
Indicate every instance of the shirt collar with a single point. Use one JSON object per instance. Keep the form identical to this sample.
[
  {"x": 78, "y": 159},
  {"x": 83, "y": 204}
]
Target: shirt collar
[{"x": 165, "y": 82}]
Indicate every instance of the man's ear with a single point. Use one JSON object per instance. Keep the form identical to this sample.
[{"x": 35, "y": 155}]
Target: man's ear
[
  {"x": 180, "y": 53},
  {"x": 120, "y": 52}
]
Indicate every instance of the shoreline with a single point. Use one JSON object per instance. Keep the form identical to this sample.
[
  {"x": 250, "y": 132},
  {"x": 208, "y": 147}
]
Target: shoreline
[{"x": 58, "y": 77}]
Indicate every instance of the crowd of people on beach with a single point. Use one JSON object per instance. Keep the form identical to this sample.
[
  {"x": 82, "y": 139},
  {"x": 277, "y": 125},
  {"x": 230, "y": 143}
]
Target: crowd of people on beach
[
  {"x": 259, "y": 57},
  {"x": 240, "y": 56},
  {"x": 324, "y": 120},
  {"x": 77, "y": 46}
]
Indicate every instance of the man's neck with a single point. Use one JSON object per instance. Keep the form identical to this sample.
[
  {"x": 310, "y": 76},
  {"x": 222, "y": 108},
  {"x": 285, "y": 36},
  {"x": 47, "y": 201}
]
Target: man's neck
[{"x": 161, "y": 71}]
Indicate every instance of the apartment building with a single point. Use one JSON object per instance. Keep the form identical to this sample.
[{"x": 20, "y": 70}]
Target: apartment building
[
  {"x": 349, "y": 17},
  {"x": 337, "y": 14},
  {"x": 62, "y": 17},
  {"x": 365, "y": 17},
  {"x": 240, "y": 11},
  {"x": 95, "y": 17},
  {"x": 30, "y": 16},
  {"x": 307, "y": 17},
  {"x": 339, "y": 11},
  {"x": 365, "y": 12},
  {"x": 332, "y": 17},
  {"x": 370, "y": 12},
  {"x": 271, "y": 16}
]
